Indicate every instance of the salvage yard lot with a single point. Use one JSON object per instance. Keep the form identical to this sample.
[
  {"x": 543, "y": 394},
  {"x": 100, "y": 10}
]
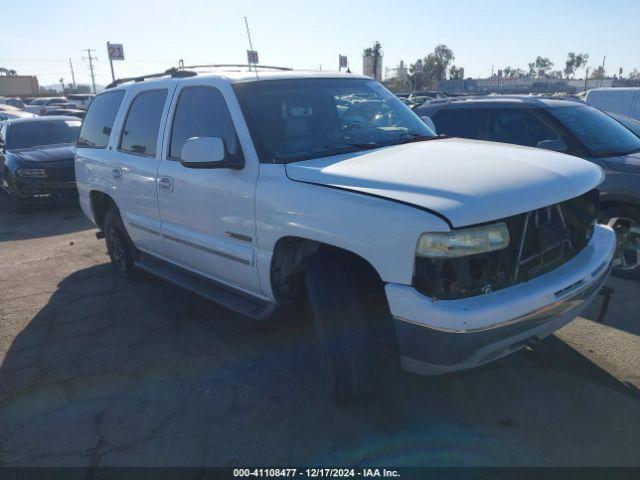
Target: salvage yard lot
[{"x": 97, "y": 370}]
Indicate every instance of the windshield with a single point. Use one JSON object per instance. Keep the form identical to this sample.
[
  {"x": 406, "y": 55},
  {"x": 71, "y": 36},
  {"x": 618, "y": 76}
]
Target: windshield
[
  {"x": 39, "y": 101},
  {"x": 293, "y": 120},
  {"x": 598, "y": 132},
  {"x": 38, "y": 133}
]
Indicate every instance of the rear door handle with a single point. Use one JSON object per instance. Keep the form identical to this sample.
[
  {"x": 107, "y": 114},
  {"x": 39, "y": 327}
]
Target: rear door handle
[
  {"x": 116, "y": 174},
  {"x": 165, "y": 184}
]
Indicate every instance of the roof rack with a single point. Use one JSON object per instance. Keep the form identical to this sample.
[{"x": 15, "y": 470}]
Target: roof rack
[
  {"x": 173, "y": 72},
  {"x": 239, "y": 65},
  {"x": 184, "y": 72}
]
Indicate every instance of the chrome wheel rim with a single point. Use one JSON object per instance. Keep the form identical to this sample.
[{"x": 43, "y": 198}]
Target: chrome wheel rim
[{"x": 627, "y": 243}]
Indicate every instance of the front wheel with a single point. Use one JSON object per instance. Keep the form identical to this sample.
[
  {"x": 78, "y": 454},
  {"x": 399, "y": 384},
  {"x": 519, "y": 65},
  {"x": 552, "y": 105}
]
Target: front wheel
[
  {"x": 344, "y": 335},
  {"x": 122, "y": 251},
  {"x": 628, "y": 240},
  {"x": 18, "y": 205}
]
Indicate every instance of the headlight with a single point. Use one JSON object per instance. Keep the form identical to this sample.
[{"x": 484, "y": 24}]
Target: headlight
[
  {"x": 31, "y": 172},
  {"x": 463, "y": 242}
]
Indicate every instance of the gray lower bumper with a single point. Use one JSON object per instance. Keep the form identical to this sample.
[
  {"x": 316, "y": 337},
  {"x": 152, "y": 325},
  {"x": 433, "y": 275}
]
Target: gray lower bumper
[{"x": 429, "y": 351}]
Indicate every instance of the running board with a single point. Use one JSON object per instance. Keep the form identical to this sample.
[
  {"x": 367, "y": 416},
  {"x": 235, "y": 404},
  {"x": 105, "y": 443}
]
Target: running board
[{"x": 232, "y": 299}]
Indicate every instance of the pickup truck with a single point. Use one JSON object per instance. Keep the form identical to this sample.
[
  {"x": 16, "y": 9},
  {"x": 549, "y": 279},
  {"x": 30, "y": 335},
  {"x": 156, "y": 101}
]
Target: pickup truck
[{"x": 258, "y": 187}]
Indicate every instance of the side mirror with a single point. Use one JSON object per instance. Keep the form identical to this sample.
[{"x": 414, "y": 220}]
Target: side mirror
[
  {"x": 429, "y": 123},
  {"x": 207, "y": 152},
  {"x": 555, "y": 145}
]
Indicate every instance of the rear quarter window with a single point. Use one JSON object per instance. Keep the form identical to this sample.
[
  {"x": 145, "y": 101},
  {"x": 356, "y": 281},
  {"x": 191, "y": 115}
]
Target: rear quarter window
[{"x": 98, "y": 122}]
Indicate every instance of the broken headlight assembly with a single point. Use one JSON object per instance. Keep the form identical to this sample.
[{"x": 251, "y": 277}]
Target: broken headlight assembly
[
  {"x": 485, "y": 258},
  {"x": 465, "y": 262},
  {"x": 463, "y": 242}
]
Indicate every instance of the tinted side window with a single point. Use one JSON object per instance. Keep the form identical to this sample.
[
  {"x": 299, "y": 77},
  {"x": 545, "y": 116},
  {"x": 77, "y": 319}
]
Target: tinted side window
[
  {"x": 98, "y": 122},
  {"x": 514, "y": 125},
  {"x": 202, "y": 112},
  {"x": 464, "y": 122},
  {"x": 140, "y": 132}
]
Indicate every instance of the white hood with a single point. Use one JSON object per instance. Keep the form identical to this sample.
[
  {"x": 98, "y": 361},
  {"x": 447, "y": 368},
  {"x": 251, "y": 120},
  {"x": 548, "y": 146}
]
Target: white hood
[{"x": 467, "y": 181}]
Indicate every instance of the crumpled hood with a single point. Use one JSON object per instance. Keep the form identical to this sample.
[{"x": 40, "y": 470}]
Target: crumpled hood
[
  {"x": 467, "y": 181},
  {"x": 47, "y": 153}
]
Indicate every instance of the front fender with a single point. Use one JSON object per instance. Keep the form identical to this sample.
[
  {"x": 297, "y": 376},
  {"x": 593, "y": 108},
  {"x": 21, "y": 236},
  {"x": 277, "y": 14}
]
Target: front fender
[{"x": 381, "y": 231}]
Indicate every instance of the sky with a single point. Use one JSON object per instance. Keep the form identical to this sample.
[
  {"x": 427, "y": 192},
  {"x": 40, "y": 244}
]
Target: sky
[{"x": 39, "y": 36}]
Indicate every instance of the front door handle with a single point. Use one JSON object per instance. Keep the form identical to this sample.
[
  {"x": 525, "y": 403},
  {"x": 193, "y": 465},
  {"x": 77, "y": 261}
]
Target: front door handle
[
  {"x": 165, "y": 184},
  {"x": 116, "y": 174}
]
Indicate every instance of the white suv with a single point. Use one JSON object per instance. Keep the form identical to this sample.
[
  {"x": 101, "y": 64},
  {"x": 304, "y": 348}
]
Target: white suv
[{"x": 252, "y": 187}]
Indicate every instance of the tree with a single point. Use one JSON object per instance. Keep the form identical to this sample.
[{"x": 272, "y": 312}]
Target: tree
[
  {"x": 542, "y": 64},
  {"x": 575, "y": 62},
  {"x": 510, "y": 72},
  {"x": 456, "y": 73},
  {"x": 428, "y": 71},
  {"x": 599, "y": 73}
]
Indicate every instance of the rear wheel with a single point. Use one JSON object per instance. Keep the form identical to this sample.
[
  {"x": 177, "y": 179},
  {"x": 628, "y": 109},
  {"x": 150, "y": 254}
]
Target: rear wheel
[
  {"x": 345, "y": 340},
  {"x": 122, "y": 252},
  {"x": 628, "y": 239}
]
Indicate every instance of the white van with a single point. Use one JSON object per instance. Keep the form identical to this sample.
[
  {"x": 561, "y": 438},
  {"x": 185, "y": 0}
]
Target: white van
[{"x": 616, "y": 100}]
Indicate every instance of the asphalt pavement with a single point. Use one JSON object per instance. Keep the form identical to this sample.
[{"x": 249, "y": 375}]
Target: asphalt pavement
[{"x": 96, "y": 370}]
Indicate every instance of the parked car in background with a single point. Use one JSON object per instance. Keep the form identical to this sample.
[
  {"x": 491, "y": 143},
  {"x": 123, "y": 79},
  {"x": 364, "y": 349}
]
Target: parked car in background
[
  {"x": 73, "y": 112},
  {"x": 28, "y": 100},
  {"x": 252, "y": 190},
  {"x": 80, "y": 100},
  {"x": 566, "y": 126},
  {"x": 7, "y": 112},
  {"x": 428, "y": 94},
  {"x": 622, "y": 100},
  {"x": 36, "y": 160},
  {"x": 17, "y": 113},
  {"x": 41, "y": 105},
  {"x": 631, "y": 123},
  {"x": 13, "y": 101}
]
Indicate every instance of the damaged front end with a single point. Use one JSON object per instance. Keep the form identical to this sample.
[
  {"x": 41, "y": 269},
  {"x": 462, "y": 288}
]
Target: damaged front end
[{"x": 538, "y": 241}]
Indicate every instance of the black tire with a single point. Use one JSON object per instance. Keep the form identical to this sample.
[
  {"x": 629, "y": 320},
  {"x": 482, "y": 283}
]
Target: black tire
[
  {"x": 122, "y": 252},
  {"x": 18, "y": 205},
  {"x": 343, "y": 333},
  {"x": 628, "y": 212}
]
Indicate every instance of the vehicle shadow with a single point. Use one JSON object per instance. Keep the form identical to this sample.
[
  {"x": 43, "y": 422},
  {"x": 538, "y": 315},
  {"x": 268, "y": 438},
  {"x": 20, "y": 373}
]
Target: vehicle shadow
[
  {"x": 40, "y": 221},
  {"x": 113, "y": 372}
]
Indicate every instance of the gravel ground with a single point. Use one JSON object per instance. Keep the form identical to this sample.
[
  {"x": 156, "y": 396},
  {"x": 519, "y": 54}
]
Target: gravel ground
[{"x": 99, "y": 371}]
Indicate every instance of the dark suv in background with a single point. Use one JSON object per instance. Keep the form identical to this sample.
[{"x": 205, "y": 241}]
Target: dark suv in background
[{"x": 565, "y": 126}]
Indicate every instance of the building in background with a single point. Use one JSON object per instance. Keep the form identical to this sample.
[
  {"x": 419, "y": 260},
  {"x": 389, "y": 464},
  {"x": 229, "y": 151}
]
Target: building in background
[
  {"x": 372, "y": 62},
  {"x": 18, "y": 85}
]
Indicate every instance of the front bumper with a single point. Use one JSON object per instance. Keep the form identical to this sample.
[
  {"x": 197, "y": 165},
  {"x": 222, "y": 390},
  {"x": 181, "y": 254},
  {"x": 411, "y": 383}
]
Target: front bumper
[
  {"x": 39, "y": 190},
  {"x": 437, "y": 337}
]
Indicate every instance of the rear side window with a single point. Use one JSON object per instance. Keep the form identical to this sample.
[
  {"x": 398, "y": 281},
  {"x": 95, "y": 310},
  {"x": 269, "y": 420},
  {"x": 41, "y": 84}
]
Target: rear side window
[
  {"x": 202, "y": 112},
  {"x": 465, "y": 123},
  {"x": 98, "y": 122},
  {"x": 518, "y": 126},
  {"x": 140, "y": 132}
]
